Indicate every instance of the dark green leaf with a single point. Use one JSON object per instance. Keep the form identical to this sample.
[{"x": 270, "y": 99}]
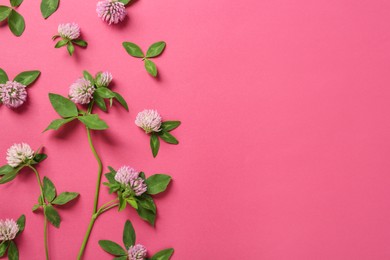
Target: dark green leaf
[
  {"x": 147, "y": 202},
  {"x": 52, "y": 215},
  {"x": 27, "y": 77},
  {"x": 154, "y": 144},
  {"x": 16, "y": 23},
  {"x": 121, "y": 100},
  {"x": 170, "y": 125},
  {"x": 13, "y": 252},
  {"x": 6, "y": 169},
  {"x": 163, "y": 254},
  {"x": 110, "y": 177},
  {"x": 70, "y": 48},
  {"x": 21, "y": 223},
  {"x": 49, "y": 190},
  {"x": 93, "y": 122},
  {"x": 57, "y": 123},
  {"x": 39, "y": 157},
  {"x": 16, "y": 3},
  {"x": 125, "y": 2},
  {"x": 147, "y": 215},
  {"x": 157, "y": 183},
  {"x": 105, "y": 92},
  {"x": 128, "y": 235},
  {"x": 133, "y": 49},
  {"x": 35, "y": 207},
  {"x": 151, "y": 67},
  {"x": 155, "y": 49},
  {"x": 8, "y": 177},
  {"x": 4, "y": 13},
  {"x": 99, "y": 101},
  {"x": 121, "y": 258},
  {"x": 63, "y": 106},
  {"x": 65, "y": 197},
  {"x": 167, "y": 137},
  {"x": 122, "y": 203},
  {"x": 80, "y": 43},
  {"x": 112, "y": 248},
  {"x": 88, "y": 76},
  {"x": 48, "y": 7},
  {"x": 3, "y": 248},
  {"x": 61, "y": 43}
]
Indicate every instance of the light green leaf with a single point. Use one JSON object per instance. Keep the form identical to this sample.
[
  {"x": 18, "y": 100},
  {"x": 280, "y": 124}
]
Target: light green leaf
[
  {"x": 133, "y": 49},
  {"x": 132, "y": 202},
  {"x": 151, "y": 67},
  {"x": 154, "y": 144},
  {"x": 99, "y": 101},
  {"x": 112, "y": 248},
  {"x": 170, "y": 125},
  {"x": 105, "y": 93},
  {"x": 13, "y": 252},
  {"x": 70, "y": 48},
  {"x": 49, "y": 190},
  {"x": 57, "y": 123},
  {"x": 48, "y": 7},
  {"x": 88, "y": 76},
  {"x": 167, "y": 137},
  {"x": 35, "y": 207},
  {"x": 8, "y": 177},
  {"x": 163, "y": 254},
  {"x": 65, "y": 197},
  {"x": 80, "y": 43},
  {"x": 122, "y": 203},
  {"x": 27, "y": 77},
  {"x": 61, "y": 43},
  {"x": 121, "y": 100},
  {"x": 93, "y": 122},
  {"x": 3, "y": 248},
  {"x": 125, "y": 2},
  {"x": 4, "y": 12},
  {"x": 63, "y": 106},
  {"x": 6, "y": 169},
  {"x": 157, "y": 183},
  {"x": 128, "y": 235},
  {"x": 155, "y": 49},
  {"x": 21, "y": 223},
  {"x": 121, "y": 258},
  {"x": 52, "y": 215},
  {"x": 16, "y": 23},
  {"x": 16, "y": 3}
]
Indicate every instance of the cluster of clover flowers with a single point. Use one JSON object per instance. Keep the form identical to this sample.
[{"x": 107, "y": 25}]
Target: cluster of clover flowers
[{"x": 131, "y": 187}]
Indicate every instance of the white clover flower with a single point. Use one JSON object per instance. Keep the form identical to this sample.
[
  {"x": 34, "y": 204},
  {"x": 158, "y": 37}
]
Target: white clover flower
[
  {"x": 137, "y": 252},
  {"x": 81, "y": 91},
  {"x": 103, "y": 79},
  {"x": 8, "y": 229},
  {"x": 18, "y": 154},
  {"x": 149, "y": 120},
  {"x": 13, "y": 94},
  {"x": 69, "y": 31},
  {"x": 130, "y": 177}
]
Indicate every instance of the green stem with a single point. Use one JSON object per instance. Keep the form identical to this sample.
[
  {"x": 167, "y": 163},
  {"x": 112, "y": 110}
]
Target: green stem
[
  {"x": 100, "y": 171},
  {"x": 45, "y": 218}
]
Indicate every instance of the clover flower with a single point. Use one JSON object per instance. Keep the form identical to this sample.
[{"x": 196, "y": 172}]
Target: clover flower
[
  {"x": 103, "y": 79},
  {"x": 111, "y": 11},
  {"x": 137, "y": 252},
  {"x": 149, "y": 120},
  {"x": 8, "y": 229},
  {"x": 18, "y": 154},
  {"x": 69, "y": 31},
  {"x": 130, "y": 177},
  {"x": 81, "y": 91},
  {"x": 13, "y": 94}
]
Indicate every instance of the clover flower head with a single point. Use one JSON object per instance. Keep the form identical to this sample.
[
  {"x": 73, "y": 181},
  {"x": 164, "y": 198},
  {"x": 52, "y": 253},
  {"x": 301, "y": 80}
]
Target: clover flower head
[
  {"x": 81, "y": 91},
  {"x": 8, "y": 229},
  {"x": 13, "y": 94},
  {"x": 149, "y": 120},
  {"x": 130, "y": 177},
  {"x": 103, "y": 79},
  {"x": 18, "y": 154},
  {"x": 69, "y": 31},
  {"x": 111, "y": 11},
  {"x": 137, "y": 252}
]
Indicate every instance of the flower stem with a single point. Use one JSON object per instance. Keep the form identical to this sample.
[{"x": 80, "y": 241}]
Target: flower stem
[{"x": 45, "y": 218}]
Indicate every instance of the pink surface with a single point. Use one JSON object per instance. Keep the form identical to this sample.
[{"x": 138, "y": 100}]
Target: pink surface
[{"x": 284, "y": 151}]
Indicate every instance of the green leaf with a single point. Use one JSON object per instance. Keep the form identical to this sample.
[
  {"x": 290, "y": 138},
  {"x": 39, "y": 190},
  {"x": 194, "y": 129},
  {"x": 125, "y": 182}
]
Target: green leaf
[
  {"x": 93, "y": 122},
  {"x": 16, "y": 23},
  {"x": 167, "y": 137},
  {"x": 128, "y": 235},
  {"x": 170, "y": 125},
  {"x": 8, "y": 177},
  {"x": 105, "y": 92},
  {"x": 65, "y": 197},
  {"x": 39, "y": 157},
  {"x": 151, "y": 67},
  {"x": 88, "y": 76},
  {"x": 99, "y": 101},
  {"x": 110, "y": 177},
  {"x": 133, "y": 49},
  {"x": 112, "y": 248},
  {"x": 27, "y": 77},
  {"x": 35, "y": 207},
  {"x": 80, "y": 43},
  {"x": 21, "y": 223},
  {"x": 155, "y": 49},
  {"x": 157, "y": 183},
  {"x": 125, "y": 2},
  {"x": 121, "y": 258},
  {"x": 49, "y": 190},
  {"x": 70, "y": 48},
  {"x": 154, "y": 144},
  {"x": 48, "y": 7},
  {"x": 16, "y": 3},
  {"x": 147, "y": 215},
  {"x": 61, "y": 43},
  {"x": 52, "y": 215},
  {"x": 147, "y": 202},
  {"x": 57, "y": 123},
  {"x": 122, "y": 203},
  {"x": 6, "y": 169},
  {"x": 121, "y": 100},
  {"x": 13, "y": 252},
  {"x": 163, "y": 254},
  {"x": 4, "y": 13},
  {"x": 3, "y": 248},
  {"x": 63, "y": 106}
]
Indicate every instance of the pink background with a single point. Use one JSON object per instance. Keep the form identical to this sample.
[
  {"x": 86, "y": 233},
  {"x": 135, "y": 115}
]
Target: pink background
[{"x": 284, "y": 149}]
